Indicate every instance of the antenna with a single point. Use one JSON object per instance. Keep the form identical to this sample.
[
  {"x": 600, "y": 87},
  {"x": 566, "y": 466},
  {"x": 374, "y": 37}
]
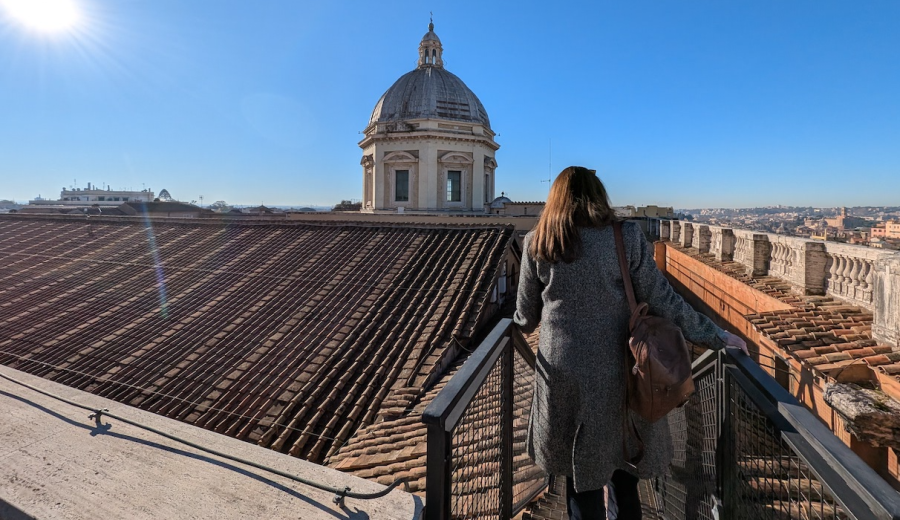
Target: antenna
[{"x": 549, "y": 178}]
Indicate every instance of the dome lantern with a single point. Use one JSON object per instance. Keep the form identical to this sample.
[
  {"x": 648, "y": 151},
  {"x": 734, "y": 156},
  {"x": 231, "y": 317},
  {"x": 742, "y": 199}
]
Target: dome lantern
[{"x": 430, "y": 49}]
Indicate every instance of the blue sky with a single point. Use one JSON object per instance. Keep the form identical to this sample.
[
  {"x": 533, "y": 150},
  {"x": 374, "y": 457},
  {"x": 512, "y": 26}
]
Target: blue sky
[{"x": 682, "y": 103}]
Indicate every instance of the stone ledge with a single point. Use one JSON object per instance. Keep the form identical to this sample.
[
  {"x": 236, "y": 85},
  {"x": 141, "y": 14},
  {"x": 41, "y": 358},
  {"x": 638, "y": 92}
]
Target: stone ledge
[
  {"x": 871, "y": 416},
  {"x": 56, "y": 464}
]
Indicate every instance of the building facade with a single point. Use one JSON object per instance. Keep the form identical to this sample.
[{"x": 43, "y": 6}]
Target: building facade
[
  {"x": 429, "y": 144},
  {"x": 93, "y": 195}
]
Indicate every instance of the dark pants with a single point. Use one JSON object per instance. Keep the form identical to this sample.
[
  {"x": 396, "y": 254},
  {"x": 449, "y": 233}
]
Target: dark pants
[{"x": 589, "y": 505}]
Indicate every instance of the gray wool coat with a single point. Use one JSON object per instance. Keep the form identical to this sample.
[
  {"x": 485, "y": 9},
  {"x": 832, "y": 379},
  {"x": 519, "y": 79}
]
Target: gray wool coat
[{"x": 575, "y": 428}]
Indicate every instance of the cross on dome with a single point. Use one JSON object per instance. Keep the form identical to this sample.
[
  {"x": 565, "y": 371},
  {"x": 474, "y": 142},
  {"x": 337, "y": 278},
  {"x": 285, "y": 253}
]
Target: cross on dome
[{"x": 430, "y": 49}]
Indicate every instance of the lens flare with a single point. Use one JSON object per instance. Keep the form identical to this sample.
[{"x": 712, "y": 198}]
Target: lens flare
[
  {"x": 43, "y": 15},
  {"x": 157, "y": 266}
]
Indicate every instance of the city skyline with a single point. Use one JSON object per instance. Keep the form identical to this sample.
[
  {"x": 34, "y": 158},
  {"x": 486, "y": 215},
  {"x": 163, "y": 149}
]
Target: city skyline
[{"x": 690, "y": 105}]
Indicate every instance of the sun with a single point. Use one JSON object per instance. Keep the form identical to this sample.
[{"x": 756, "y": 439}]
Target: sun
[{"x": 44, "y": 15}]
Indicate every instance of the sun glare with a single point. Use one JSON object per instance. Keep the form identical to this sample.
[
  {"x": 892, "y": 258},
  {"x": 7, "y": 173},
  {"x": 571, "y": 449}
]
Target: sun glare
[{"x": 43, "y": 15}]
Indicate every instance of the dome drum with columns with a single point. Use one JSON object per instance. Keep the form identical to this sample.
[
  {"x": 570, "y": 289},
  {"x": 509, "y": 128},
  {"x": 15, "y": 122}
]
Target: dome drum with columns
[{"x": 429, "y": 144}]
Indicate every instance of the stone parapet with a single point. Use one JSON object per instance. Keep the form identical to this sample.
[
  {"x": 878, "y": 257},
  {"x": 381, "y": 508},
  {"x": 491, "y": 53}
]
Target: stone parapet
[
  {"x": 850, "y": 272},
  {"x": 687, "y": 234},
  {"x": 886, "y": 297},
  {"x": 702, "y": 238},
  {"x": 752, "y": 250},
  {"x": 861, "y": 276},
  {"x": 871, "y": 416},
  {"x": 799, "y": 261},
  {"x": 664, "y": 230},
  {"x": 722, "y": 243},
  {"x": 675, "y": 235}
]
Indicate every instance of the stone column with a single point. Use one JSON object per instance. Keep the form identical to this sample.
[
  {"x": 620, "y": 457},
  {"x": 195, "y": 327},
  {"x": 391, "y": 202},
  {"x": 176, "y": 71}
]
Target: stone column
[
  {"x": 687, "y": 234},
  {"x": 725, "y": 251},
  {"x": 752, "y": 250},
  {"x": 675, "y": 236},
  {"x": 886, "y": 327},
  {"x": 664, "y": 231},
  {"x": 702, "y": 239}
]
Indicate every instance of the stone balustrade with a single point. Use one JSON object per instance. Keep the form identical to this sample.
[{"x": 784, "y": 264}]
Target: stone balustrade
[
  {"x": 862, "y": 276},
  {"x": 850, "y": 272},
  {"x": 799, "y": 261}
]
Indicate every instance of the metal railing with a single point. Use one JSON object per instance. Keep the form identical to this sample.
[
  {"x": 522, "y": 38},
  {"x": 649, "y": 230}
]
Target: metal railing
[
  {"x": 477, "y": 466},
  {"x": 745, "y": 448}
]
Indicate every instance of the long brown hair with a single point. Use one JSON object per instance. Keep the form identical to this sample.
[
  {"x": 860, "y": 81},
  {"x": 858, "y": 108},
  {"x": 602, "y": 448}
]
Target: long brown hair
[{"x": 577, "y": 199}]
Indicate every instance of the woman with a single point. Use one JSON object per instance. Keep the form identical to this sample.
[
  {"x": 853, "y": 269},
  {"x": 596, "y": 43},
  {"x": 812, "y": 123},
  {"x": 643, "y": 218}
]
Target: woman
[{"x": 572, "y": 285}]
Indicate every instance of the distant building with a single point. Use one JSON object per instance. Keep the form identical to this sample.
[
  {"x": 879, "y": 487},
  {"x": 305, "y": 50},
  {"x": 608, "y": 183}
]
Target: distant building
[
  {"x": 887, "y": 229},
  {"x": 164, "y": 209},
  {"x": 92, "y": 195},
  {"x": 429, "y": 144},
  {"x": 654, "y": 211},
  {"x": 502, "y": 205}
]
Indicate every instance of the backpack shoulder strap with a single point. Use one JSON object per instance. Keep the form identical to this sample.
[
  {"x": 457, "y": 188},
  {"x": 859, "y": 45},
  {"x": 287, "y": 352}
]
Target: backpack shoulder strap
[
  {"x": 628, "y": 425},
  {"x": 623, "y": 265}
]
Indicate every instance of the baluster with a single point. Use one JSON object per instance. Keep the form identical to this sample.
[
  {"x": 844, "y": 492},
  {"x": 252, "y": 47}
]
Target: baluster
[
  {"x": 842, "y": 264},
  {"x": 782, "y": 259},
  {"x": 859, "y": 278},
  {"x": 845, "y": 282},
  {"x": 832, "y": 274},
  {"x": 869, "y": 281},
  {"x": 854, "y": 273}
]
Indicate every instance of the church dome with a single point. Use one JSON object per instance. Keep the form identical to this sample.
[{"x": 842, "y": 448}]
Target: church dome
[
  {"x": 429, "y": 91},
  {"x": 500, "y": 202}
]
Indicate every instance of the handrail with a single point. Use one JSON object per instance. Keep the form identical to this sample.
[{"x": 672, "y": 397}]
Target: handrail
[
  {"x": 448, "y": 406},
  {"x": 495, "y": 357},
  {"x": 854, "y": 484}
]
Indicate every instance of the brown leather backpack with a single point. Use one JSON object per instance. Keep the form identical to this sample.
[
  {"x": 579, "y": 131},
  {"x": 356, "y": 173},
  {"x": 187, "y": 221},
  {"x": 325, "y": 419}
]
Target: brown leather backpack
[{"x": 658, "y": 364}]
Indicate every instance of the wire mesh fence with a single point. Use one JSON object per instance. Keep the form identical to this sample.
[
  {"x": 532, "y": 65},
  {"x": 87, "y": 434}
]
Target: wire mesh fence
[
  {"x": 528, "y": 478},
  {"x": 732, "y": 459},
  {"x": 688, "y": 490},
  {"x": 477, "y": 445},
  {"x": 764, "y": 477},
  {"x": 478, "y": 464}
]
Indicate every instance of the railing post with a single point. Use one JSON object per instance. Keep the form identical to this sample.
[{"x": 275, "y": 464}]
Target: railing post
[
  {"x": 726, "y": 460},
  {"x": 506, "y": 444},
  {"x": 437, "y": 473}
]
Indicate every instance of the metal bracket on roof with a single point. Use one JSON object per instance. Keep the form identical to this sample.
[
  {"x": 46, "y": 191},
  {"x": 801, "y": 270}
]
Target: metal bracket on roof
[
  {"x": 340, "y": 496},
  {"x": 98, "y": 414}
]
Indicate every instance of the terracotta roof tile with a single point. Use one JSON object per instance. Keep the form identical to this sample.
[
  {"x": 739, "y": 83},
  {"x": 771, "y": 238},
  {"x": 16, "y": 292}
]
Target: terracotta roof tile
[{"x": 291, "y": 335}]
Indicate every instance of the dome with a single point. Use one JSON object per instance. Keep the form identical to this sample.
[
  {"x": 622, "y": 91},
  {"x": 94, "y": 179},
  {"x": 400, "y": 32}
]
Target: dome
[
  {"x": 433, "y": 93},
  {"x": 500, "y": 202},
  {"x": 430, "y": 92}
]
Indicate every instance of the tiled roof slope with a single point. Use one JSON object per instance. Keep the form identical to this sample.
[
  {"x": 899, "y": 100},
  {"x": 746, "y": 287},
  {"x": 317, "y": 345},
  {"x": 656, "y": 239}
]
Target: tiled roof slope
[
  {"x": 823, "y": 332},
  {"x": 397, "y": 447},
  {"x": 288, "y": 335}
]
